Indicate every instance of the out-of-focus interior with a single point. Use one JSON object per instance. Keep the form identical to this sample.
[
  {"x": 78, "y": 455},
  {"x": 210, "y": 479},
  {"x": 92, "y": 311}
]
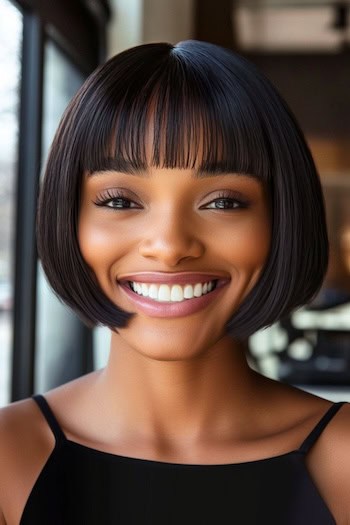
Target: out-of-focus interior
[{"x": 45, "y": 54}]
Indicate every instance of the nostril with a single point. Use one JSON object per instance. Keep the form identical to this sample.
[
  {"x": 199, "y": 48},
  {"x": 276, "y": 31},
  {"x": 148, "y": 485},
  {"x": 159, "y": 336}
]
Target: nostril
[{"x": 171, "y": 248}]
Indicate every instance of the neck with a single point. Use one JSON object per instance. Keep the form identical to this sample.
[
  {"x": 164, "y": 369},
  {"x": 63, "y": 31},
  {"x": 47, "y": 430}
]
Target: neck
[{"x": 179, "y": 400}]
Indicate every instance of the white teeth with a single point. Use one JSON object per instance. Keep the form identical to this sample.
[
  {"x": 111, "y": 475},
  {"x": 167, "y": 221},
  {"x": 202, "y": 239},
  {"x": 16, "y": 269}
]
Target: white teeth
[
  {"x": 164, "y": 293},
  {"x": 152, "y": 291},
  {"x": 174, "y": 293},
  {"x": 188, "y": 291},
  {"x": 198, "y": 289},
  {"x": 177, "y": 293}
]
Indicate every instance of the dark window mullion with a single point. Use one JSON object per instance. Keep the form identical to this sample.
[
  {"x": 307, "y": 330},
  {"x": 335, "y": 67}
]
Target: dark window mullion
[
  {"x": 27, "y": 189},
  {"x": 73, "y": 24}
]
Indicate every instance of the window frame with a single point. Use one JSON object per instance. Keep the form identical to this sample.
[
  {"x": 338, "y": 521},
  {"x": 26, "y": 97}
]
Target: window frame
[{"x": 82, "y": 38}]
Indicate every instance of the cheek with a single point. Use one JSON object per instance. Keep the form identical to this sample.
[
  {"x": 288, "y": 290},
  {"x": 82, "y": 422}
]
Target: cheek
[
  {"x": 88, "y": 242},
  {"x": 247, "y": 246},
  {"x": 102, "y": 242},
  {"x": 95, "y": 241},
  {"x": 97, "y": 249},
  {"x": 257, "y": 242}
]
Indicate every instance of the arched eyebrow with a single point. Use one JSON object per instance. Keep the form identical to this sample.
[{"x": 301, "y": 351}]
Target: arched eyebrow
[{"x": 121, "y": 165}]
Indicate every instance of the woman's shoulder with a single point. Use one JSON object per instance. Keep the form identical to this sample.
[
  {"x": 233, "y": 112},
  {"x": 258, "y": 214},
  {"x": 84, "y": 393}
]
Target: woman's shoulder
[
  {"x": 24, "y": 445},
  {"x": 26, "y": 442},
  {"x": 20, "y": 424},
  {"x": 23, "y": 422},
  {"x": 328, "y": 452},
  {"x": 309, "y": 409},
  {"x": 327, "y": 456},
  {"x": 328, "y": 463},
  {"x": 20, "y": 419}
]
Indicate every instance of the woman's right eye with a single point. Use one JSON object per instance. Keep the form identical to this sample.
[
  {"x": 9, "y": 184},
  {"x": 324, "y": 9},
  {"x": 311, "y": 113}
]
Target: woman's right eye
[{"x": 115, "y": 200}]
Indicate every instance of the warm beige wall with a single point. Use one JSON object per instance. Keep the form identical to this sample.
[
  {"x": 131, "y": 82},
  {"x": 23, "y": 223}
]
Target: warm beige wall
[
  {"x": 140, "y": 21},
  {"x": 168, "y": 20},
  {"x": 125, "y": 27}
]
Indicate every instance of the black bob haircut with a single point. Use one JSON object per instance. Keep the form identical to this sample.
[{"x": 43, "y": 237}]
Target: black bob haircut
[{"x": 199, "y": 96}]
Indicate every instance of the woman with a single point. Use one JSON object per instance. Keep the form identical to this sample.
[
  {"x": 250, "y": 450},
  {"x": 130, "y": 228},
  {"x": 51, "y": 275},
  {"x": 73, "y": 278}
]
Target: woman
[{"x": 180, "y": 207}]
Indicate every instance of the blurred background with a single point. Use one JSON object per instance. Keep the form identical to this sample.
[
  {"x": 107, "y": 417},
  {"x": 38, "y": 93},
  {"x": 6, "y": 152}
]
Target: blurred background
[{"x": 48, "y": 48}]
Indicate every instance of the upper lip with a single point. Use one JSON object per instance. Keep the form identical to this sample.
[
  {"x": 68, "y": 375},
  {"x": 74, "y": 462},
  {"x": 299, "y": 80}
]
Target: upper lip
[{"x": 176, "y": 278}]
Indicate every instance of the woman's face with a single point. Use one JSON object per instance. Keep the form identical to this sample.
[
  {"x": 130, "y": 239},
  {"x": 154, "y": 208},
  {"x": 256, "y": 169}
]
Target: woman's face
[{"x": 161, "y": 222}]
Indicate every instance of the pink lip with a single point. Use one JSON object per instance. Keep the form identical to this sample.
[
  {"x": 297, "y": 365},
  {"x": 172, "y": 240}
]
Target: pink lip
[
  {"x": 171, "y": 277},
  {"x": 169, "y": 309}
]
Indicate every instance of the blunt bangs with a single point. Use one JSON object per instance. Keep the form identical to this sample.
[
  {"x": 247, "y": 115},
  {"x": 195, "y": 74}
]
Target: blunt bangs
[
  {"x": 185, "y": 106},
  {"x": 170, "y": 112}
]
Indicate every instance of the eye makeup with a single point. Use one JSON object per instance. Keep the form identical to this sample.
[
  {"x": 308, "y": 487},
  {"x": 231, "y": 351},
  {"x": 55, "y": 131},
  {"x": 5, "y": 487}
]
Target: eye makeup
[{"x": 118, "y": 198}]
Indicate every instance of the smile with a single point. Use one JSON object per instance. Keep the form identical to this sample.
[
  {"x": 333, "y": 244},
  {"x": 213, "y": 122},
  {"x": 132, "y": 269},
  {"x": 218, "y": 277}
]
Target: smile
[
  {"x": 172, "y": 293},
  {"x": 165, "y": 300}
]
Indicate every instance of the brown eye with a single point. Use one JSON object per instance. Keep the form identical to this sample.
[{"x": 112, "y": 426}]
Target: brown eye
[
  {"x": 225, "y": 204},
  {"x": 116, "y": 200},
  {"x": 119, "y": 203},
  {"x": 226, "y": 201}
]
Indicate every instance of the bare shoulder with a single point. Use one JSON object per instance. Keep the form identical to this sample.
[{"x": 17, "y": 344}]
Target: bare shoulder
[
  {"x": 329, "y": 464},
  {"x": 24, "y": 444},
  {"x": 328, "y": 460},
  {"x": 23, "y": 428},
  {"x": 19, "y": 421}
]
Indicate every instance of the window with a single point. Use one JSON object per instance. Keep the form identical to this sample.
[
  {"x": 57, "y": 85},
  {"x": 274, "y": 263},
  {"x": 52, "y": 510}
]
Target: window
[
  {"x": 11, "y": 26},
  {"x": 57, "y": 357},
  {"x": 46, "y": 51}
]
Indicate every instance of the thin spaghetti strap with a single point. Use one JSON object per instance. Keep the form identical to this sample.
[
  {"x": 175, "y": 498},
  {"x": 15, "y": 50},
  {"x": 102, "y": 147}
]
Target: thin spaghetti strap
[
  {"x": 321, "y": 425},
  {"x": 50, "y": 418}
]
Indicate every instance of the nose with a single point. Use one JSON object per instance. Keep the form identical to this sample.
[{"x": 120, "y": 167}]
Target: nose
[{"x": 170, "y": 239}]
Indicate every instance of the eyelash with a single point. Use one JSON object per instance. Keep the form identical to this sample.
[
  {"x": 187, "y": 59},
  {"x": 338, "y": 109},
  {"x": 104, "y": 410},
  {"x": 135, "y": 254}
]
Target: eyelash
[
  {"x": 109, "y": 196},
  {"x": 230, "y": 197}
]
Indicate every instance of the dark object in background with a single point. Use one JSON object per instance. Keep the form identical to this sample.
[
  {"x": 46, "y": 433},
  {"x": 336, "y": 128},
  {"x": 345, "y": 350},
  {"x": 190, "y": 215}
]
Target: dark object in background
[{"x": 329, "y": 337}]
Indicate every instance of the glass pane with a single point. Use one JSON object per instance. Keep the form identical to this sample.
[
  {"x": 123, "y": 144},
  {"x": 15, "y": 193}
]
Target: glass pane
[
  {"x": 101, "y": 344},
  {"x": 61, "y": 81},
  {"x": 10, "y": 66},
  {"x": 56, "y": 360}
]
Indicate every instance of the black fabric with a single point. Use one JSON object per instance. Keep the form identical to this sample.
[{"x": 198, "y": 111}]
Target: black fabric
[
  {"x": 315, "y": 433},
  {"x": 83, "y": 486}
]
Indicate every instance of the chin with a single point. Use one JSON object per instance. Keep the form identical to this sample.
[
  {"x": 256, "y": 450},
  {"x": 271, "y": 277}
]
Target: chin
[{"x": 164, "y": 345}]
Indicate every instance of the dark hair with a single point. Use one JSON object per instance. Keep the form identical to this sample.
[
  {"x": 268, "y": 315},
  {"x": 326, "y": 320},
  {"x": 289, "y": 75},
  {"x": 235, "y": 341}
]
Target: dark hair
[{"x": 203, "y": 95}]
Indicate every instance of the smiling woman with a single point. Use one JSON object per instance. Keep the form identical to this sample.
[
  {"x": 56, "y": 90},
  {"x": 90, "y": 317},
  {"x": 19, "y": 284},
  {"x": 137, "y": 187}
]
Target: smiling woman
[
  {"x": 136, "y": 233},
  {"x": 181, "y": 208},
  {"x": 197, "y": 107}
]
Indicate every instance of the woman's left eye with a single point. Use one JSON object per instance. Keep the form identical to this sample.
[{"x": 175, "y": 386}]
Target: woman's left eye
[{"x": 225, "y": 202}]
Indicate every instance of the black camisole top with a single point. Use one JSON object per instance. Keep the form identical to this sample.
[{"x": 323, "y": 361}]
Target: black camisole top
[{"x": 79, "y": 485}]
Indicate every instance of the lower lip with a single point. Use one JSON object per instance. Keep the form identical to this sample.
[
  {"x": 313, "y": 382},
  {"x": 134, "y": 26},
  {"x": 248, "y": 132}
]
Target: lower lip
[{"x": 176, "y": 309}]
